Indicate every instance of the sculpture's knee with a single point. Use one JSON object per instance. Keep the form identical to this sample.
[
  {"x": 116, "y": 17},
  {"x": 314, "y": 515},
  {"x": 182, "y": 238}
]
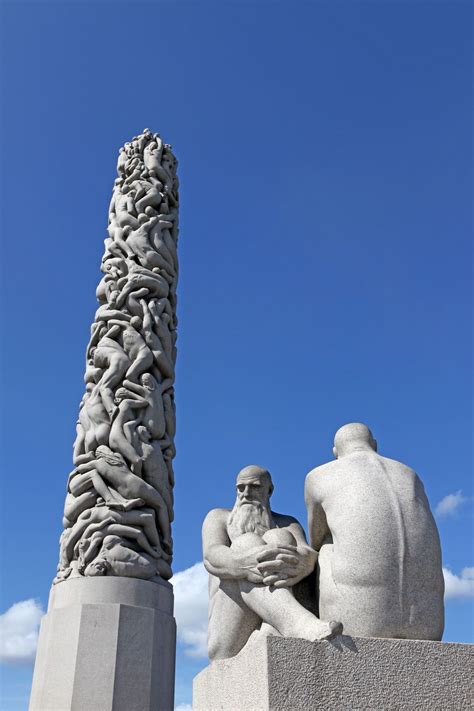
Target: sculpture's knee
[
  {"x": 247, "y": 541},
  {"x": 279, "y": 537}
]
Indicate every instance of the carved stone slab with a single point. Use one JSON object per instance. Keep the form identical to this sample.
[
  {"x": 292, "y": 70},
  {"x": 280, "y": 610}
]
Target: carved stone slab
[{"x": 344, "y": 673}]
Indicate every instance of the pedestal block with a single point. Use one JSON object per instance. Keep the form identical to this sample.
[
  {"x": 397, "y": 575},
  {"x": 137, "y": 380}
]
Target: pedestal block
[
  {"x": 106, "y": 644},
  {"x": 345, "y": 673}
]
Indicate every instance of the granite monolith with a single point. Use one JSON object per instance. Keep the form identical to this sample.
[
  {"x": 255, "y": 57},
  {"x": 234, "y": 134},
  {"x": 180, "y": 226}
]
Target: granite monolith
[{"x": 108, "y": 639}]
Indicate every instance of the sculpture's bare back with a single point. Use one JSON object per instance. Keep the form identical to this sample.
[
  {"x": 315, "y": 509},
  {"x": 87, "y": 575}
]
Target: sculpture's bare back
[
  {"x": 379, "y": 551},
  {"x": 119, "y": 504}
]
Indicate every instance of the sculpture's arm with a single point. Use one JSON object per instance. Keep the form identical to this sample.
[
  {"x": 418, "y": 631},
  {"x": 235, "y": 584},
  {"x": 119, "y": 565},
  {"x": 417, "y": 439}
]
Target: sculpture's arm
[
  {"x": 219, "y": 559},
  {"x": 135, "y": 388},
  {"x": 317, "y": 523},
  {"x": 113, "y": 331}
]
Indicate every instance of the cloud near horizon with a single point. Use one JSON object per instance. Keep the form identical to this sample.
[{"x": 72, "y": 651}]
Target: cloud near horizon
[
  {"x": 461, "y": 586},
  {"x": 190, "y": 609},
  {"x": 450, "y": 504},
  {"x": 19, "y": 627}
]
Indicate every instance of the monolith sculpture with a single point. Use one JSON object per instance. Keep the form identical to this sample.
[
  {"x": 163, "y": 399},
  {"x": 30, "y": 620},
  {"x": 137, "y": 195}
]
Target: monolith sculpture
[{"x": 108, "y": 639}]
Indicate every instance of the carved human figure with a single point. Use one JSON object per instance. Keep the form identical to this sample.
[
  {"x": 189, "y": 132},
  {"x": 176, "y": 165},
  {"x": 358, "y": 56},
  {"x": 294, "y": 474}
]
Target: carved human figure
[
  {"x": 153, "y": 417},
  {"x": 124, "y": 423},
  {"x": 94, "y": 421},
  {"x": 155, "y": 473},
  {"x": 158, "y": 163},
  {"x": 140, "y": 278},
  {"x": 138, "y": 242},
  {"x": 99, "y": 518},
  {"x": 254, "y": 557},
  {"x": 134, "y": 346},
  {"x": 115, "y": 558},
  {"x": 379, "y": 551},
  {"x": 119, "y": 487},
  {"x": 111, "y": 357},
  {"x": 107, "y": 291},
  {"x": 158, "y": 348},
  {"x": 148, "y": 194}
]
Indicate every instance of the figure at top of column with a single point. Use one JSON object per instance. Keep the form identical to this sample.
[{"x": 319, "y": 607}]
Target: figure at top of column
[{"x": 379, "y": 558}]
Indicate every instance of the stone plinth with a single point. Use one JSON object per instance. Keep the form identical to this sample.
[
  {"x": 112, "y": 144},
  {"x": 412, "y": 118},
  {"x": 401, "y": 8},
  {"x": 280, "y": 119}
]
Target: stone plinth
[
  {"x": 106, "y": 643},
  {"x": 346, "y": 673}
]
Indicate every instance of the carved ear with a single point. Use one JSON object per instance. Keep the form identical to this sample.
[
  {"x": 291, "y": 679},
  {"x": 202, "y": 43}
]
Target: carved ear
[
  {"x": 334, "y": 451},
  {"x": 271, "y": 490}
]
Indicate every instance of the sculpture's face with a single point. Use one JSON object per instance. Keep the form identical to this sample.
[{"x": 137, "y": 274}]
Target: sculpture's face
[
  {"x": 252, "y": 490},
  {"x": 147, "y": 381}
]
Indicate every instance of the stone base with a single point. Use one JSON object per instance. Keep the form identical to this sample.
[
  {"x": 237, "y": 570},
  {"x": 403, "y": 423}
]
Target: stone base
[
  {"x": 345, "y": 673},
  {"x": 106, "y": 643}
]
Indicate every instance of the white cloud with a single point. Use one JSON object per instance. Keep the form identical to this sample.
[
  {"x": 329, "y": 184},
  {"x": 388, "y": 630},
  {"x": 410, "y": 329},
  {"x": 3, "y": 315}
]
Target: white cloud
[
  {"x": 450, "y": 504},
  {"x": 183, "y": 707},
  {"x": 461, "y": 586},
  {"x": 19, "y": 632},
  {"x": 191, "y": 600}
]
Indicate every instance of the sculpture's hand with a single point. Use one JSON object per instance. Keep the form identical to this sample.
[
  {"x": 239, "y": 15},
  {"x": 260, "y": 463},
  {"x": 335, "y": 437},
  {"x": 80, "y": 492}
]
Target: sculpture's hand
[
  {"x": 246, "y": 563},
  {"x": 293, "y": 571},
  {"x": 271, "y": 553},
  {"x": 277, "y": 563},
  {"x": 288, "y": 567}
]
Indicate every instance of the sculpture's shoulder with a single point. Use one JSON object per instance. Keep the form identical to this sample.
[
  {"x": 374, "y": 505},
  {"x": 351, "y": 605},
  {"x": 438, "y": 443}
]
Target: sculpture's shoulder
[
  {"x": 317, "y": 476},
  {"x": 216, "y": 516},
  {"x": 282, "y": 520}
]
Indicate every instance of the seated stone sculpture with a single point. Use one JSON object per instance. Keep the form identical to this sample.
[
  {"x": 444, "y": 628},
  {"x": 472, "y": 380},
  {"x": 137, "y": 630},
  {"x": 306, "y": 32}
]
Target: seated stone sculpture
[
  {"x": 254, "y": 557},
  {"x": 379, "y": 552}
]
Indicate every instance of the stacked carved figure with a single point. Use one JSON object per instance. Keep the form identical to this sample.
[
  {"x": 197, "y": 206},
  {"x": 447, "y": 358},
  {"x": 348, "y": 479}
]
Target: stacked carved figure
[{"x": 119, "y": 504}]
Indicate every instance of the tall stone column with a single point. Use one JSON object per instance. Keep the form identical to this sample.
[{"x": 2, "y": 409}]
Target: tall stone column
[{"x": 108, "y": 640}]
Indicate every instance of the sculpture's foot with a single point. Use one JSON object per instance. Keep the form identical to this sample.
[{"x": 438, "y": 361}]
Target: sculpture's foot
[{"x": 319, "y": 630}]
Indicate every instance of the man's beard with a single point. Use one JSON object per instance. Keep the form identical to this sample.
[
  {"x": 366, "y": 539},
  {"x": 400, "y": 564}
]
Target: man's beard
[{"x": 249, "y": 518}]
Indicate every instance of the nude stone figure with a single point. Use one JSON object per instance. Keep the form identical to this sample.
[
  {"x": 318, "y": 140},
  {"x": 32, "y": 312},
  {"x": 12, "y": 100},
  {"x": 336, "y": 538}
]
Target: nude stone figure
[
  {"x": 379, "y": 551},
  {"x": 119, "y": 487},
  {"x": 254, "y": 557},
  {"x": 124, "y": 423}
]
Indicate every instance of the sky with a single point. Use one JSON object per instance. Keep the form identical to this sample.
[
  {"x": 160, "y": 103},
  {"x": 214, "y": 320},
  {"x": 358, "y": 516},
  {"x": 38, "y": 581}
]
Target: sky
[{"x": 325, "y": 265}]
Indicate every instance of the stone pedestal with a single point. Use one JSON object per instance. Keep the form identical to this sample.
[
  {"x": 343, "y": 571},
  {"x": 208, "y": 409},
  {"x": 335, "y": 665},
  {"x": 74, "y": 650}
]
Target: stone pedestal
[
  {"x": 106, "y": 643},
  {"x": 345, "y": 673}
]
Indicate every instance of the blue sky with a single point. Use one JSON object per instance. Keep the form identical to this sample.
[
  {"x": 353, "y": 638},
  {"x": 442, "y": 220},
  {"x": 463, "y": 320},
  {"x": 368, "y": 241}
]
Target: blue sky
[{"x": 325, "y": 172}]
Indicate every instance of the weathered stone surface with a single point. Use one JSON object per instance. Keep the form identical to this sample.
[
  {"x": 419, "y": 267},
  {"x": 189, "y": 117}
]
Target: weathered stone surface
[
  {"x": 343, "y": 673},
  {"x": 379, "y": 560},
  {"x": 106, "y": 643}
]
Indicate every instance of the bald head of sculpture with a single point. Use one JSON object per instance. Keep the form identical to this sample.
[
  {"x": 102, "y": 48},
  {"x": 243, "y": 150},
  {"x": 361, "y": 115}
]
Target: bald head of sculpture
[
  {"x": 254, "y": 485},
  {"x": 351, "y": 438}
]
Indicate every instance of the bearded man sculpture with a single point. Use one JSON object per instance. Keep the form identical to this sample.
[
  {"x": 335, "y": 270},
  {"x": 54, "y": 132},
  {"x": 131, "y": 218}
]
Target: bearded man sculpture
[{"x": 254, "y": 557}]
